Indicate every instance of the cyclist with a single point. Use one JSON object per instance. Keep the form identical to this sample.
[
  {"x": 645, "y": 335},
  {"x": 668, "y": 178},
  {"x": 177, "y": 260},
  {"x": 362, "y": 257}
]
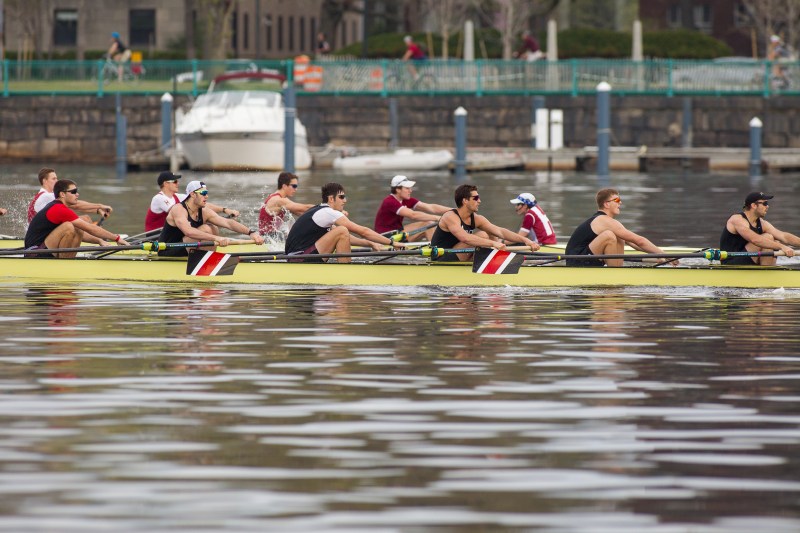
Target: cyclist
[
  {"x": 415, "y": 53},
  {"x": 118, "y": 52},
  {"x": 529, "y": 50},
  {"x": 777, "y": 53}
]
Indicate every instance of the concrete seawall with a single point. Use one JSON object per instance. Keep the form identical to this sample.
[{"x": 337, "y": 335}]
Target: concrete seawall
[{"x": 45, "y": 129}]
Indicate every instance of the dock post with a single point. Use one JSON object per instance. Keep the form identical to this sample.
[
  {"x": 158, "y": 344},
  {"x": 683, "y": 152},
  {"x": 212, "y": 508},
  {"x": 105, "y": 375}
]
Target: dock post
[
  {"x": 686, "y": 123},
  {"x": 288, "y": 135},
  {"x": 755, "y": 147},
  {"x": 166, "y": 122},
  {"x": 603, "y": 127},
  {"x": 537, "y": 104},
  {"x": 460, "y": 161},
  {"x": 122, "y": 140},
  {"x": 394, "y": 139}
]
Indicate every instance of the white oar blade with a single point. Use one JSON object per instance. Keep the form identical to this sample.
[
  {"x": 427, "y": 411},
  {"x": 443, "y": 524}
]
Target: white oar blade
[
  {"x": 211, "y": 264},
  {"x": 493, "y": 261}
]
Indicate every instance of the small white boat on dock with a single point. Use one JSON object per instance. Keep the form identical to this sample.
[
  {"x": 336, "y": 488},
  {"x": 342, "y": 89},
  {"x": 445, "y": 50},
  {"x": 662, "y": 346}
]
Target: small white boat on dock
[{"x": 403, "y": 159}]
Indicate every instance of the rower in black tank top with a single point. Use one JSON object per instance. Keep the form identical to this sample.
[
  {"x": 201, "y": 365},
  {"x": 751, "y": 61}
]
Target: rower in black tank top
[
  {"x": 171, "y": 233},
  {"x": 736, "y": 243},
  {"x": 579, "y": 242},
  {"x": 444, "y": 239}
]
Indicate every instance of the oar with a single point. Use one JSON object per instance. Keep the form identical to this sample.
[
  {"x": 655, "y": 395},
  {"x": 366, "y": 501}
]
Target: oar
[
  {"x": 268, "y": 256},
  {"x": 146, "y": 246},
  {"x": 710, "y": 254},
  {"x": 399, "y": 235}
]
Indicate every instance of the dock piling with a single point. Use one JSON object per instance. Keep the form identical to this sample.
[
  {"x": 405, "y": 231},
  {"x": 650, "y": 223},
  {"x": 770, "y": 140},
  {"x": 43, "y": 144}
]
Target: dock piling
[
  {"x": 755, "y": 147},
  {"x": 603, "y": 127},
  {"x": 460, "y": 161},
  {"x": 288, "y": 135}
]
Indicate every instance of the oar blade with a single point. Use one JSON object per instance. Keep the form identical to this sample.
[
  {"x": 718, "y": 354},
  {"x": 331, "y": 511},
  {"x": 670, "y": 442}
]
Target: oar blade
[
  {"x": 211, "y": 264},
  {"x": 493, "y": 261}
]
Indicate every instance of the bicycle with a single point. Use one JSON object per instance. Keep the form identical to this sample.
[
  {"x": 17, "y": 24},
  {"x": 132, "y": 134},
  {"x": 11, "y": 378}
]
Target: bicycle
[
  {"x": 410, "y": 77},
  {"x": 109, "y": 71}
]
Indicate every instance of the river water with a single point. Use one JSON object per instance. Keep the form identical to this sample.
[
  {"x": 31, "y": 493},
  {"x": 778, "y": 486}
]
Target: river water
[{"x": 164, "y": 408}]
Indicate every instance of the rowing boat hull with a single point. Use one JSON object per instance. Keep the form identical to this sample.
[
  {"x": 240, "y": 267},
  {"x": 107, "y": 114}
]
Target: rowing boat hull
[{"x": 155, "y": 270}]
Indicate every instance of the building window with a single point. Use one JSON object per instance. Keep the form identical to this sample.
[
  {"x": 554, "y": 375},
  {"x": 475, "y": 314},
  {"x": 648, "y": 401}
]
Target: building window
[
  {"x": 235, "y": 31},
  {"x": 246, "y": 31},
  {"x": 302, "y": 39},
  {"x": 290, "y": 22},
  {"x": 65, "y": 27},
  {"x": 313, "y": 43},
  {"x": 268, "y": 25},
  {"x": 280, "y": 33},
  {"x": 702, "y": 17},
  {"x": 674, "y": 16},
  {"x": 142, "y": 27},
  {"x": 354, "y": 31},
  {"x": 344, "y": 33}
]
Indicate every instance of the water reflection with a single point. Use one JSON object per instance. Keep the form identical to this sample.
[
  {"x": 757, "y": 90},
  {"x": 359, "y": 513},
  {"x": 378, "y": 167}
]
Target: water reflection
[{"x": 132, "y": 408}]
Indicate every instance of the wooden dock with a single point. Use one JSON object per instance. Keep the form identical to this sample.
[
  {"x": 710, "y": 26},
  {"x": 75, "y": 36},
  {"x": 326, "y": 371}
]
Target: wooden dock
[{"x": 647, "y": 159}]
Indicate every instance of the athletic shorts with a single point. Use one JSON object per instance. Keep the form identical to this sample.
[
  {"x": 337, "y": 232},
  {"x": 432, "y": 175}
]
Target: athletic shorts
[
  {"x": 311, "y": 250},
  {"x": 42, "y": 246},
  {"x": 584, "y": 262}
]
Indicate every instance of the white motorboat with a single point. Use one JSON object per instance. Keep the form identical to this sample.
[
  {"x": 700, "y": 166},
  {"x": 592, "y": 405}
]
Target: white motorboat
[
  {"x": 239, "y": 125},
  {"x": 397, "y": 160}
]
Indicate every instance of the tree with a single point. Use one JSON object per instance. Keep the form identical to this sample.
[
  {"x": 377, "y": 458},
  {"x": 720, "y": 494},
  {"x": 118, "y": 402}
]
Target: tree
[
  {"x": 514, "y": 17},
  {"x": 214, "y": 19},
  {"x": 31, "y": 15},
  {"x": 770, "y": 17},
  {"x": 448, "y": 17},
  {"x": 331, "y": 15}
]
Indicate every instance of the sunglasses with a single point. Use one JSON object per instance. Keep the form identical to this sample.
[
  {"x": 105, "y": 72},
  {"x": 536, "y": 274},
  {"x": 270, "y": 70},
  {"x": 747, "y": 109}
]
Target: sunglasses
[
  {"x": 203, "y": 192},
  {"x": 172, "y": 181},
  {"x": 475, "y": 197},
  {"x": 73, "y": 191},
  {"x": 293, "y": 185},
  {"x": 617, "y": 199},
  {"x": 763, "y": 203},
  {"x": 342, "y": 197}
]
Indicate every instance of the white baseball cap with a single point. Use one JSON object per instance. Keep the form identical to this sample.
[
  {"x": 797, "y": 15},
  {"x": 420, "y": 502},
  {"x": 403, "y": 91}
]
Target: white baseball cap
[
  {"x": 402, "y": 181},
  {"x": 524, "y": 198},
  {"x": 193, "y": 186},
  {"x": 775, "y": 39}
]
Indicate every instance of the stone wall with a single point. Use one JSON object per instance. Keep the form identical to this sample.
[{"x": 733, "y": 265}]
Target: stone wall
[{"x": 46, "y": 129}]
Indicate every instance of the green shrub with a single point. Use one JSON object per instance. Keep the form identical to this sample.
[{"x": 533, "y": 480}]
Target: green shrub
[
  {"x": 683, "y": 44},
  {"x": 391, "y": 45}
]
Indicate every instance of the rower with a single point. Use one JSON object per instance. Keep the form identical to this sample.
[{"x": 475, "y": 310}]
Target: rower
[
  {"x": 602, "y": 234},
  {"x": 535, "y": 224},
  {"x": 464, "y": 228},
  {"x": 325, "y": 229},
  {"x": 749, "y": 231},
  {"x": 47, "y": 180},
  {"x": 193, "y": 221},
  {"x": 400, "y": 204},
  {"x": 168, "y": 196},
  {"x": 57, "y": 225},
  {"x": 271, "y": 218}
]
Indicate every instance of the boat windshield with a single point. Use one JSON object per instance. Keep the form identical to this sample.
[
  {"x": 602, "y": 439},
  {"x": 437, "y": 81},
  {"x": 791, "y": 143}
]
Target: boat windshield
[{"x": 238, "y": 98}]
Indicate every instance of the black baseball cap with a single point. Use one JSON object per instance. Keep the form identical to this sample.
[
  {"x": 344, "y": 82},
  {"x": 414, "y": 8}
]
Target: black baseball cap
[
  {"x": 754, "y": 197},
  {"x": 167, "y": 176}
]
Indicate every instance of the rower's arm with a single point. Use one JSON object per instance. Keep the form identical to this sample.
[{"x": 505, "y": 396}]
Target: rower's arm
[
  {"x": 742, "y": 227},
  {"x": 363, "y": 231},
  {"x": 783, "y": 236},
  {"x": 295, "y": 208},
  {"x": 433, "y": 209},
  {"x": 413, "y": 214},
  {"x": 231, "y": 224},
  {"x": 92, "y": 208},
  {"x": 97, "y": 231},
  {"x": 503, "y": 233}
]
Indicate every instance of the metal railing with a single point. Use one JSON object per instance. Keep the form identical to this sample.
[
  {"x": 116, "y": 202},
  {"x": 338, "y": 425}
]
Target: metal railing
[{"x": 723, "y": 77}]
